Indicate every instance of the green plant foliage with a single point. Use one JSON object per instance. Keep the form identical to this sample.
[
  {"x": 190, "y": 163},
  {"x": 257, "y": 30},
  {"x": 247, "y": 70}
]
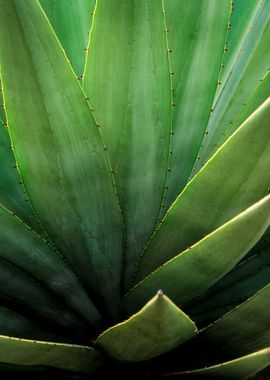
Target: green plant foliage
[{"x": 134, "y": 151}]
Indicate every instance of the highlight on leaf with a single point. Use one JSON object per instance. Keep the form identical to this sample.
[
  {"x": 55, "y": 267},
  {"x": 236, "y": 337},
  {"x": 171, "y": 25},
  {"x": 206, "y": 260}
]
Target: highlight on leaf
[{"x": 134, "y": 151}]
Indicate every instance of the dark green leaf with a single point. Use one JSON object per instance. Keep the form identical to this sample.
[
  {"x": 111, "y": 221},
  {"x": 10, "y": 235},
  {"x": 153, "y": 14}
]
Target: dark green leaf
[
  {"x": 59, "y": 149},
  {"x": 244, "y": 329},
  {"x": 240, "y": 368},
  {"x": 207, "y": 261},
  {"x": 230, "y": 182}
]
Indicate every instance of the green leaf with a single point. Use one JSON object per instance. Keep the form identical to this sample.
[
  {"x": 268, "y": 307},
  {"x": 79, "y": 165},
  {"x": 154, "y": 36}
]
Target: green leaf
[
  {"x": 260, "y": 94},
  {"x": 71, "y": 21},
  {"x": 208, "y": 260},
  {"x": 240, "y": 368},
  {"x": 244, "y": 329},
  {"x": 230, "y": 182},
  {"x": 28, "y": 295},
  {"x": 12, "y": 194},
  {"x": 66, "y": 356},
  {"x": 28, "y": 251},
  {"x": 247, "y": 69},
  {"x": 157, "y": 328},
  {"x": 195, "y": 68},
  {"x": 243, "y": 15},
  {"x": 59, "y": 150},
  {"x": 15, "y": 324},
  {"x": 127, "y": 80},
  {"x": 2, "y": 111},
  {"x": 241, "y": 283}
]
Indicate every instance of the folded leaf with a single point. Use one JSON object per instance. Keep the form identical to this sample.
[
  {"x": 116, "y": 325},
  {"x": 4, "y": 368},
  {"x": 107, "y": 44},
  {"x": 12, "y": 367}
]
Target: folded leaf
[
  {"x": 157, "y": 328},
  {"x": 65, "y": 356},
  {"x": 208, "y": 260},
  {"x": 59, "y": 150},
  {"x": 240, "y": 368},
  {"x": 202, "y": 206}
]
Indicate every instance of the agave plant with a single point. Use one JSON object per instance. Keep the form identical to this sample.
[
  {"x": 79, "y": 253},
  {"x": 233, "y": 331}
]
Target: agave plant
[{"x": 135, "y": 151}]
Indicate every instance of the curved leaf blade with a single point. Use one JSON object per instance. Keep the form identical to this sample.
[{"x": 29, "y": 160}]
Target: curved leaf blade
[
  {"x": 241, "y": 283},
  {"x": 26, "y": 294},
  {"x": 66, "y": 356},
  {"x": 157, "y": 328},
  {"x": 250, "y": 67},
  {"x": 208, "y": 260},
  {"x": 245, "y": 328},
  {"x": 240, "y": 368},
  {"x": 59, "y": 150},
  {"x": 28, "y": 251},
  {"x": 128, "y": 46},
  {"x": 14, "y": 324},
  {"x": 202, "y": 207},
  {"x": 12, "y": 194},
  {"x": 197, "y": 48}
]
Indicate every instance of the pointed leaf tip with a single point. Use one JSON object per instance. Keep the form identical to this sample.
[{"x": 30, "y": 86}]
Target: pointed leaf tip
[{"x": 157, "y": 328}]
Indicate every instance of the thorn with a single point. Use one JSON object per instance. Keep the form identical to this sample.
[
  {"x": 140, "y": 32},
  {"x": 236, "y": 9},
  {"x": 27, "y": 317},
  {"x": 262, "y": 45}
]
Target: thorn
[
  {"x": 160, "y": 293},
  {"x": 225, "y": 50},
  {"x": 169, "y": 50},
  {"x": 171, "y": 72}
]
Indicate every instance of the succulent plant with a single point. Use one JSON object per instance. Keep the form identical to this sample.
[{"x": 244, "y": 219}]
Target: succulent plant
[{"x": 134, "y": 215}]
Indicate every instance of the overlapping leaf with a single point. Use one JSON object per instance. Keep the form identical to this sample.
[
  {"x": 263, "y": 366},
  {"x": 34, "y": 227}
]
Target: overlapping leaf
[
  {"x": 208, "y": 260},
  {"x": 230, "y": 182},
  {"x": 59, "y": 150}
]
